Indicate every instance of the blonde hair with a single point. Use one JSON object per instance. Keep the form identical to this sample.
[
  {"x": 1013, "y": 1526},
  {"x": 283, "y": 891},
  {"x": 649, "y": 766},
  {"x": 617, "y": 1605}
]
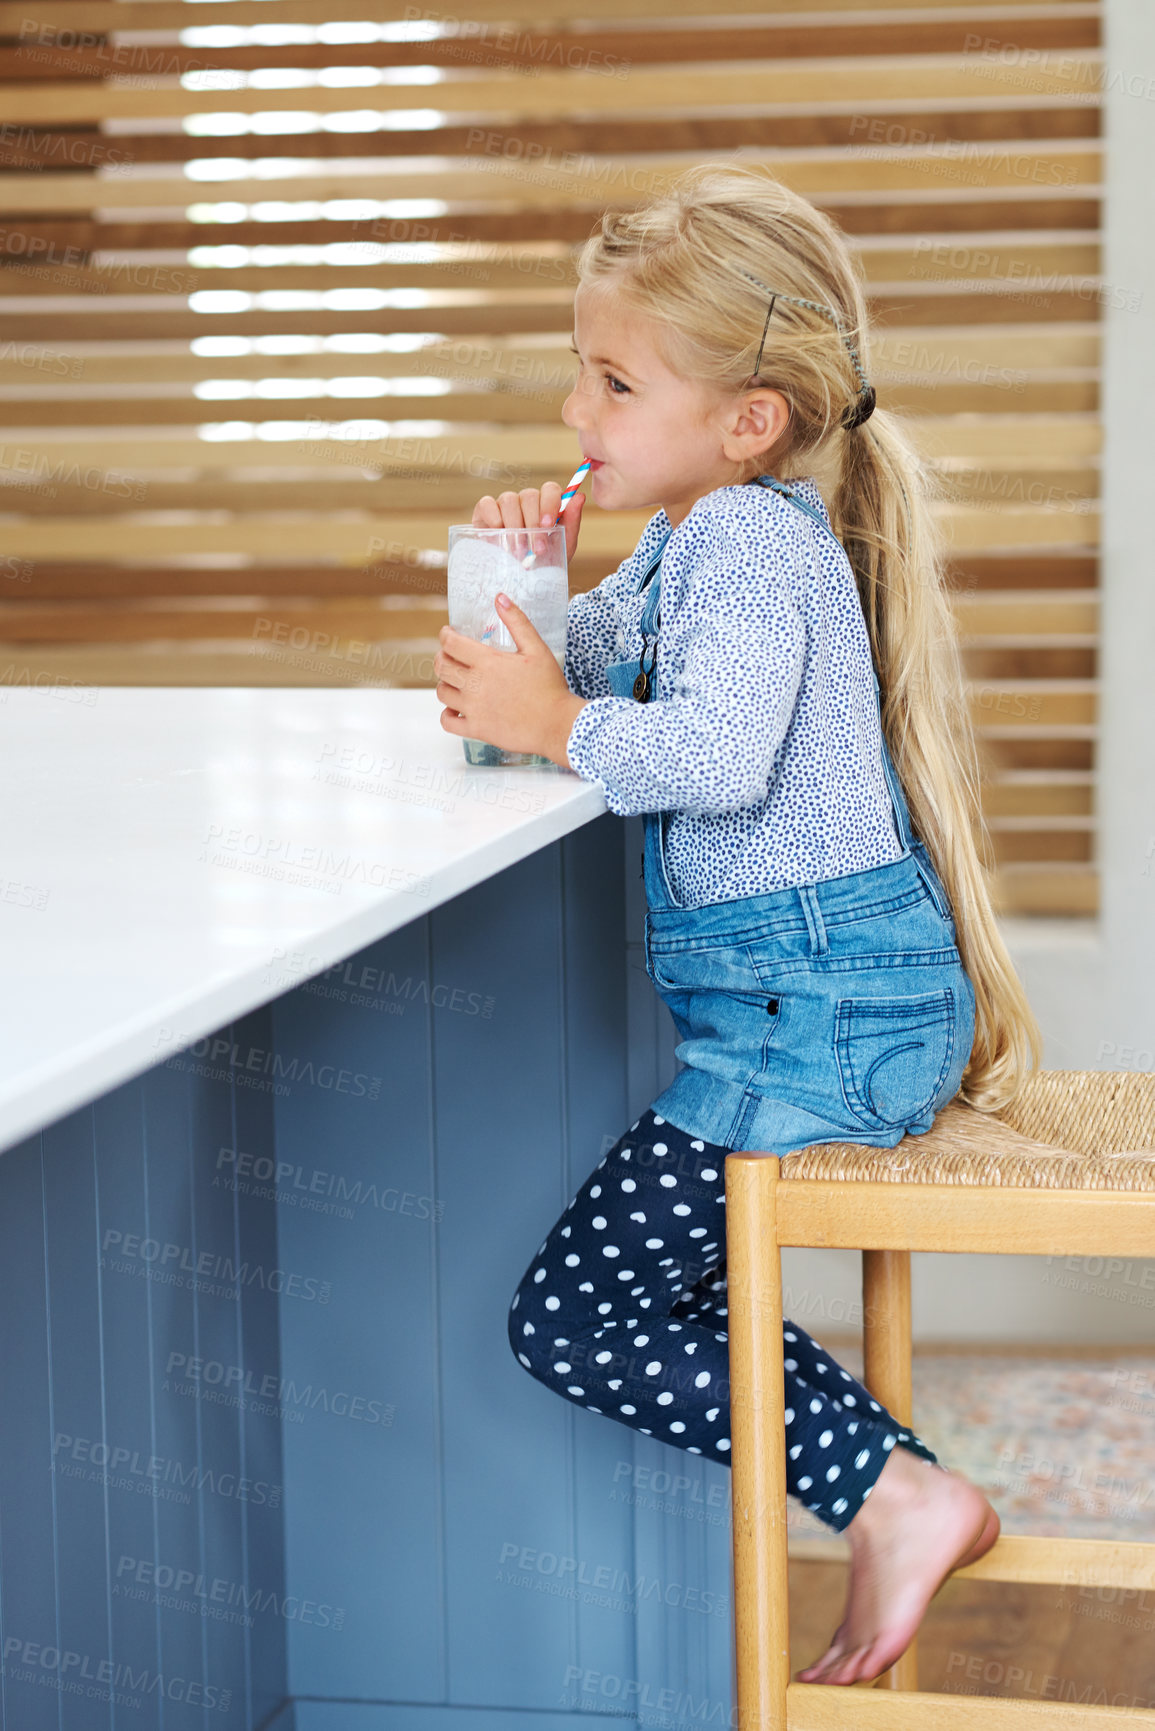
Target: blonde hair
[{"x": 692, "y": 259}]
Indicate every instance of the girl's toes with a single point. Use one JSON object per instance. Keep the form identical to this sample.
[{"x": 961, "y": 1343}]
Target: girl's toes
[
  {"x": 840, "y": 1669},
  {"x": 826, "y": 1669},
  {"x": 863, "y": 1666}
]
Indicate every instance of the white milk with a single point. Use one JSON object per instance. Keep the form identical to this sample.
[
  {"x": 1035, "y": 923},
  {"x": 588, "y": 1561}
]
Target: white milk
[{"x": 477, "y": 570}]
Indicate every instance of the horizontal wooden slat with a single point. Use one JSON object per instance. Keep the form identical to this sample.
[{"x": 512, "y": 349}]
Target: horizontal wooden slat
[
  {"x": 1000, "y": 440},
  {"x": 978, "y": 572},
  {"x": 909, "y": 211},
  {"x": 133, "y": 538},
  {"x": 1040, "y": 613},
  {"x": 966, "y": 352},
  {"x": 1062, "y": 483},
  {"x": 1019, "y": 260},
  {"x": 350, "y": 620},
  {"x": 121, "y": 324},
  {"x": 824, "y": 1707},
  {"x": 855, "y": 124},
  {"x": 408, "y": 665},
  {"x": 518, "y": 269},
  {"x": 1062, "y": 891},
  {"x": 1023, "y": 662},
  {"x": 461, "y": 450},
  {"x": 407, "y": 491},
  {"x": 29, "y": 487},
  {"x": 1070, "y": 845},
  {"x": 968, "y": 527},
  {"x": 1066, "y": 1562},
  {"x": 1028, "y": 1220},
  {"x": 88, "y": 578},
  {"x": 916, "y": 303},
  {"x": 900, "y": 211},
  {"x": 460, "y": 406},
  {"x": 491, "y": 177},
  {"x": 1039, "y": 794},
  {"x": 616, "y": 51},
  {"x": 508, "y": 268},
  {"x": 1030, "y": 824},
  {"x": 36, "y": 486},
  {"x": 548, "y": 363},
  {"x": 108, "y": 15},
  {"x": 388, "y": 574},
  {"x": 66, "y": 492},
  {"x": 1043, "y": 704},
  {"x": 913, "y": 78},
  {"x": 56, "y": 409},
  {"x": 301, "y": 536}
]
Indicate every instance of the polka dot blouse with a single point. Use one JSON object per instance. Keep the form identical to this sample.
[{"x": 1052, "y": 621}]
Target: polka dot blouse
[{"x": 762, "y": 739}]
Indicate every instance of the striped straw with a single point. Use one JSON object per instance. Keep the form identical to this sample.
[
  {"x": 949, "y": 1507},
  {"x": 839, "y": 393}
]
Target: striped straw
[{"x": 576, "y": 480}]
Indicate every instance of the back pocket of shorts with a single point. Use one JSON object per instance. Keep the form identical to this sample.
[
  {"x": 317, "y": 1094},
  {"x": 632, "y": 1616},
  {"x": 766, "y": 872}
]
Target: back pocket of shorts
[{"x": 893, "y": 1055}]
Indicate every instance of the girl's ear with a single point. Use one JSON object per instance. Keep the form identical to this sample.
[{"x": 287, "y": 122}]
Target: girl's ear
[{"x": 755, "y": 424}]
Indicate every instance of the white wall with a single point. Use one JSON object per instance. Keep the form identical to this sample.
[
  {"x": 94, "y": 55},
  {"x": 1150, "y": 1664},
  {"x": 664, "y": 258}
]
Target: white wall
[
  {"x": 1094, "y": 993},
  {"x": 1092, "y": 983}
]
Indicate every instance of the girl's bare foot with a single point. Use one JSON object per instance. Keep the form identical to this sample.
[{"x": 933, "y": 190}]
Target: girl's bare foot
[{"x": 918, "y": 1524}]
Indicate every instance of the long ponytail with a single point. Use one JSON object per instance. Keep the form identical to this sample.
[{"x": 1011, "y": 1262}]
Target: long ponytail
[{"x": 881, "y": 514}]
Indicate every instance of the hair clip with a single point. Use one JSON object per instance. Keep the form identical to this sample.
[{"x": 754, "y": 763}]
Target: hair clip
[
  {"x": 865, "y": 405},
  {"x": 765, "y": 328}
]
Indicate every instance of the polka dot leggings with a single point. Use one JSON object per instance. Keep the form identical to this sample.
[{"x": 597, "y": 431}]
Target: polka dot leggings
[{"x": 619, "y": 1311}]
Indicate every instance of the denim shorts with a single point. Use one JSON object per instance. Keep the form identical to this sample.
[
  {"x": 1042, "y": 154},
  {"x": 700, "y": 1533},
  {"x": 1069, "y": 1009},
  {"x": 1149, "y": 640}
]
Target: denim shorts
[{"x": 838, "y": 1011}]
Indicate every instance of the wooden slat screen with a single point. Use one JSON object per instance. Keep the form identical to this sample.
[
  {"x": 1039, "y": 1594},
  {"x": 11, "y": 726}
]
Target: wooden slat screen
[{"x": 284, "y": 289}]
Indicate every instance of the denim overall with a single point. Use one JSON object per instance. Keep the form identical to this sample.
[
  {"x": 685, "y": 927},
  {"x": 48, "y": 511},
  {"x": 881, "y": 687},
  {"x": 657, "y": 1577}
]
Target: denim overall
[{"x": 836, "y": 1011}]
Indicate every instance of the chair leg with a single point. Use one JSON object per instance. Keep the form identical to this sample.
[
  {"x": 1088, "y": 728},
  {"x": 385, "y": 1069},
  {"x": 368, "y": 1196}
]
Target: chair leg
[
  {"x": 886, "y": 1357},
  {"x": 758, "y": 1443},
  {"x": 886, "y": 1342}
]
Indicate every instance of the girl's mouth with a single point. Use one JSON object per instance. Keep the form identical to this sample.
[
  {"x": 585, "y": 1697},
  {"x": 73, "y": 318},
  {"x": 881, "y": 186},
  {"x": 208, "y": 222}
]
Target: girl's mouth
[{"x": 595, "y": 463}]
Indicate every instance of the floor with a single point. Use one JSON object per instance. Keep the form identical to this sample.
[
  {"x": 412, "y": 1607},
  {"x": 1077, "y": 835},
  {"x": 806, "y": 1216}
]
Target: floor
[
  {"x": 1063, "y": 1445},
  {"x": 1000, "y": 1638}
]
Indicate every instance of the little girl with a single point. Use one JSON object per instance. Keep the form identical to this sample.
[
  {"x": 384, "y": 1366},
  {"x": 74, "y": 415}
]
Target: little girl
[{"x": 775, "y": 684}]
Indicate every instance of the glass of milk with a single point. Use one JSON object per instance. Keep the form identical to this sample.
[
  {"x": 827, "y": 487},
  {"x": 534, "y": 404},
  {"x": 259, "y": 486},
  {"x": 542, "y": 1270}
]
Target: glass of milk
[{"x": 530, "y": 566}]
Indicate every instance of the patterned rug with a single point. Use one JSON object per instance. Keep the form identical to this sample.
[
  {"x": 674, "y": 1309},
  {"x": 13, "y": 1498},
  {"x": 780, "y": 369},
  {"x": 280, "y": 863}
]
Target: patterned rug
[{"x": 1063, "y": 1447}]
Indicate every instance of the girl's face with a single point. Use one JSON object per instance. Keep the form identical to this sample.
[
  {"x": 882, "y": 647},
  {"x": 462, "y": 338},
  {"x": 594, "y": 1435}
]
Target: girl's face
[{"x": 655, "y": 438}]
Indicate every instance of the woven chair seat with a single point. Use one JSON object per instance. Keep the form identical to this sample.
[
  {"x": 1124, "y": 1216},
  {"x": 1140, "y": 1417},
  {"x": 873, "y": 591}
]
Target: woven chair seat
[{"x": 1066, "y": 1130}]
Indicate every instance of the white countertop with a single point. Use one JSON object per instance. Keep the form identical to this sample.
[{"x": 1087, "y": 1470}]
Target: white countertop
[{"x": 172, "y": 858}]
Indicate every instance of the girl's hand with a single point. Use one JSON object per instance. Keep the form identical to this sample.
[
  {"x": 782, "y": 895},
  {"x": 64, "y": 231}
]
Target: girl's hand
[
  {"x": 531, "y": 509},
  {"x": 519, "y": 701}
]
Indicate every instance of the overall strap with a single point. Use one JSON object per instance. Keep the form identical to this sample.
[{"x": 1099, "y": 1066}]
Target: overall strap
[
  {"x": 802, "y": 504},
  {"x": 651, "y": 617},
  {"x": 897, "y": 797}
]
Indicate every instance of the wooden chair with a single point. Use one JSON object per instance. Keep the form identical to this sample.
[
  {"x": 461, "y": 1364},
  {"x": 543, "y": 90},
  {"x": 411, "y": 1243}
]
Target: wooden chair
[{"x": 1068, "y": 1169}]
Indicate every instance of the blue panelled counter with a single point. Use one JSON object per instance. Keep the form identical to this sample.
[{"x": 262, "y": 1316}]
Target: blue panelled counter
[{"x": 310, "y": 1032}]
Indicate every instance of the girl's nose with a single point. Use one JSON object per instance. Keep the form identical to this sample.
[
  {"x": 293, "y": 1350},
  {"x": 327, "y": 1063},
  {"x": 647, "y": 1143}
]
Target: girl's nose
[
  {"x": 580, "y": 408},
  {"x": 571, "y": 409}
]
